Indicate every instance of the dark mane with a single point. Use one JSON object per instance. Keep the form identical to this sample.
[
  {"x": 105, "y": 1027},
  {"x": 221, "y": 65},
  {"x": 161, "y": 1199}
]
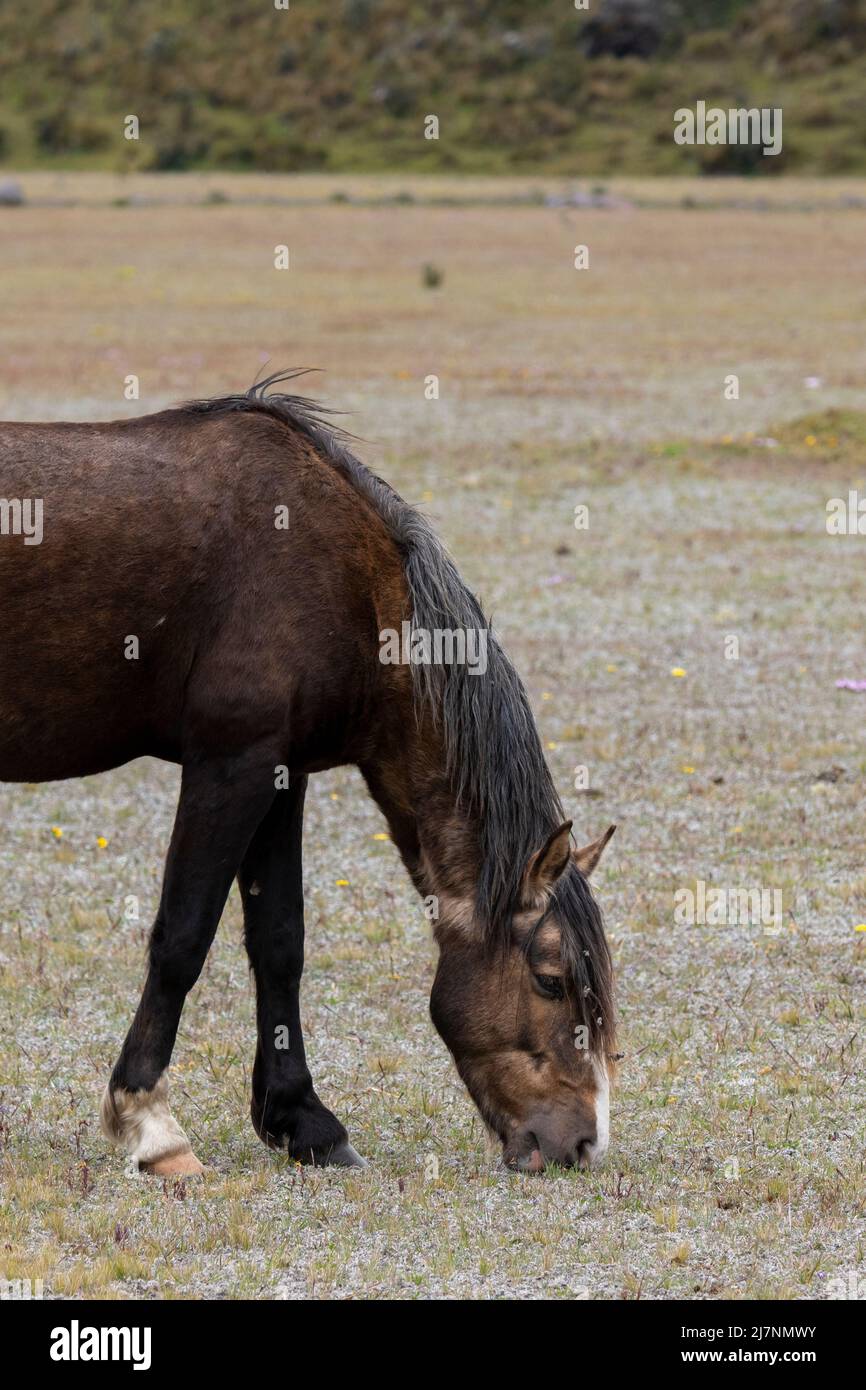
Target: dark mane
[{"x": 493, "y": 750}]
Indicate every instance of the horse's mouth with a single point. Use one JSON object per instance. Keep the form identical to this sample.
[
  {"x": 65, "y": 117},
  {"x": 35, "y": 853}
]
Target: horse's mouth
[{"x": 527, "y": 1158}]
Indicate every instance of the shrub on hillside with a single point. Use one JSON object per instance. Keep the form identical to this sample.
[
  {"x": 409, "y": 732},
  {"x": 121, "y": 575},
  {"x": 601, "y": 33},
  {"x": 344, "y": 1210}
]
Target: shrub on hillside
[{"x": 631, "y": 28}]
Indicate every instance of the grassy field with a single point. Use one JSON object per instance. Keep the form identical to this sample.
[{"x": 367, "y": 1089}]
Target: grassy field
[
  {"x": 736, "y": 1165},
  {"x": 347, "y": 85}
]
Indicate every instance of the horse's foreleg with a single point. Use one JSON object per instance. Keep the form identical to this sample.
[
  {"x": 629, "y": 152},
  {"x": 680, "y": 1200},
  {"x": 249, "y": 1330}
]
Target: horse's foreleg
[
  {"x": 221, "y": 803},
  {"x": 287, "y": 1113}
]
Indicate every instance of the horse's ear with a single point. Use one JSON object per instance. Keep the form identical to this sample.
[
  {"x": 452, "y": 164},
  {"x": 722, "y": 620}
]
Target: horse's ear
[
  {"x": 587, "y": 857},
  {"x": 547, "y": 863}
]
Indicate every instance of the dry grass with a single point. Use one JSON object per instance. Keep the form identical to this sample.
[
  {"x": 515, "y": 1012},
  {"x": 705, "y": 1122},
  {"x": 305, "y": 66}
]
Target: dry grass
[
  {"x": 639, "y": 346},
  {"x": 736, "y": 1166}
]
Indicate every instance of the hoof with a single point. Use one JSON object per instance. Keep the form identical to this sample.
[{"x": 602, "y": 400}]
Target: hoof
[
  {"x": 182, "y": 1165},
  {"x": 344, "y": 1156}
]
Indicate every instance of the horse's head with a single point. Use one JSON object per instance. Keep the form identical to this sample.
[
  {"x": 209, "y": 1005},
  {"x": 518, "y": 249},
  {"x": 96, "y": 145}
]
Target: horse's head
[{"x": 529, "y": 1020}]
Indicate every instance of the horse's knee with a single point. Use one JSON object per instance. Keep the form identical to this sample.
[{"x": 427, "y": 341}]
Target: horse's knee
[{"x": 175, "y": 959}]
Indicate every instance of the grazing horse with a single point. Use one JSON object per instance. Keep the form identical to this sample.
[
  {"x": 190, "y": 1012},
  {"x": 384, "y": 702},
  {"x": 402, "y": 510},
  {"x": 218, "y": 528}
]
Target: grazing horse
[{"x": 221, "y": 585}]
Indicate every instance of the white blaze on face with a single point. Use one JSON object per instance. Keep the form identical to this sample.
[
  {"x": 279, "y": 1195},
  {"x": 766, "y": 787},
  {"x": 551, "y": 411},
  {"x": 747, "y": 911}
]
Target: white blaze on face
[{"x": 598, "y": 1150}]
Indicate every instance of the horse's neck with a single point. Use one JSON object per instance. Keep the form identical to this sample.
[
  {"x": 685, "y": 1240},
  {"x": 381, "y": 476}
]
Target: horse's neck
[{"x": 438, "y": 839}]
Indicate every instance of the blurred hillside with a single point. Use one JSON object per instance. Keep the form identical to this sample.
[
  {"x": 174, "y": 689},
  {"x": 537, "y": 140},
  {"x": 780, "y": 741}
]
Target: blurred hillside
[{"x": 346, "y": 84}]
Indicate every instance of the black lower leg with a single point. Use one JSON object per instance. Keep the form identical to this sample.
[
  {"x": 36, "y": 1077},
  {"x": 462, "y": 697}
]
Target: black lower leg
[{"x": 287, "y": 1113}]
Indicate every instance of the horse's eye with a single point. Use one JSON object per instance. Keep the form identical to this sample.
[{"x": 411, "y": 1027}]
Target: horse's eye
[{"x": 550, "y": 986}]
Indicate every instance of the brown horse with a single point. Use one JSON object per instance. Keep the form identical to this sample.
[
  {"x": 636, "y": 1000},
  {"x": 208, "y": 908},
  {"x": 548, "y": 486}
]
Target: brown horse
[{"x": 226, "y": 587}]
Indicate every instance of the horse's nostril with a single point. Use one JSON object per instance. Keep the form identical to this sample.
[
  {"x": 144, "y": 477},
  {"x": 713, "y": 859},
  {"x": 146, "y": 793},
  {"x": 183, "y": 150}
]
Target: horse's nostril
[
  {"x": 586, "y": 1152},
  {"x": 531, "y": 1160},
  {"x": 578, "y": 1154}
]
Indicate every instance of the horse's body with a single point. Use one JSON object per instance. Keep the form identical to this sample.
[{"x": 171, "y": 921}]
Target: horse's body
[
  {"x": 164, "y": 529},
  {"x": 210, "y": 588}
]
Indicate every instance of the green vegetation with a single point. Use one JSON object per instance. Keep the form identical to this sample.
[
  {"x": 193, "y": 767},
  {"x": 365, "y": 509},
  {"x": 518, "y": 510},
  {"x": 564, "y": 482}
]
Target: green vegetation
[
  {"x": 345, "y": 85},
  {"x": 836, "y": 431}
]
